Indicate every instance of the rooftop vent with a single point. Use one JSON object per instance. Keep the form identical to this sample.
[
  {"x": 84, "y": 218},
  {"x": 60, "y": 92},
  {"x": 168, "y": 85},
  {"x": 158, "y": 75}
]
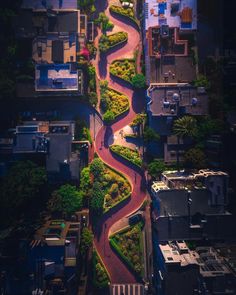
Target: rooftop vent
[{"x": 176, "y": 96}]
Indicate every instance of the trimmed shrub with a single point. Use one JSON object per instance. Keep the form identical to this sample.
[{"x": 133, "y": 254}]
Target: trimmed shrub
[{"x": 127, "y": 153}]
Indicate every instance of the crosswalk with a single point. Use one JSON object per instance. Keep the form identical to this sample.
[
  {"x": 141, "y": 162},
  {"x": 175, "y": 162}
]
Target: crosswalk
[{"x": 127, "y": 289}]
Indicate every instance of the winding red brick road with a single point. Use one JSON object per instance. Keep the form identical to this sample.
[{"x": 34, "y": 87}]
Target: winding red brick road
[{"x": 117, "y": 269}]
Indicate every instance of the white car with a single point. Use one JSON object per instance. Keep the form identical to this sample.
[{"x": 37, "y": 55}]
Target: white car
[{"x": 127, "y": 4}]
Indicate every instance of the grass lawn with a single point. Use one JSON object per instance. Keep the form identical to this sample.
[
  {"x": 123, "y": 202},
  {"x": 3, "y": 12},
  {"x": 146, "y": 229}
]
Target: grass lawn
[
  {"x": 124, "y": 69},
  {"x": 127, "y": 153},
  {"x": 128, "y": 244}
]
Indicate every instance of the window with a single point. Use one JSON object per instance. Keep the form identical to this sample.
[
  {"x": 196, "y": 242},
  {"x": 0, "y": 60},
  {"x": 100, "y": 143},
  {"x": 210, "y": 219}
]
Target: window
[{"x": 39, "y": 51}]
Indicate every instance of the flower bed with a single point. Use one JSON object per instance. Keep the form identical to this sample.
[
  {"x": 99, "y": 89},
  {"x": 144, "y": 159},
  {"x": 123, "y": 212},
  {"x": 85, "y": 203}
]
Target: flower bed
[
  {"x": 108, "y": 42},
  {"x": 100, "y": 275},
  {"x": 113, "y": 101},
  {"x": 124, "y": 69},
  {"x": 128, "y": 244},
  {"x": 127, "y": 153},
  {"x": 103, "y": 186},
  {"x": 127, "y": 12},
  {"x": 117, "y": 188}
]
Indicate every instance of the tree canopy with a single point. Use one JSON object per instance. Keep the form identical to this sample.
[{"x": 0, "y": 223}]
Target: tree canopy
[
  {"x": 67, "y": 199},
  {"x": 156, "y": 167},
  {"x": 195, "y": 158},
  {"x": 185, "y": 127},
  {"x": 20, "y": 187},
  {"x": 138, "y": 81},
  {"x": 150, "y": 135},
  {"x": 86, "y": 240},
  {"x": 97, "y": 199}
]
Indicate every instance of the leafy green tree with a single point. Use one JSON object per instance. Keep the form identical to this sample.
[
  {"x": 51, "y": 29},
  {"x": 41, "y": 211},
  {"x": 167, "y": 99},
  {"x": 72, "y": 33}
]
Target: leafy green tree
[
  {"x": 87, "y": 6},
  {"x": 108, "y": 116},
  {"x": 97, "y": 199},
  {"x": 85, "y": 181},
  {"x": 202, "y": 81},
  {"x": 20, "y": 188},
  {"x": 207, "y": 127},
  {"x": 86, "y": 240},
  {"x": 185, "y": 127},
  {"x": 139, "y": 119},
  {"x": 97, "y": 167},
  {"x": 138, "y": 81},
  {"x": 67, "y": 199},
  {"x": 150, "y": 134},
  {"x": 81, "y": 131},
  {"x": 156, "y": 167},
  {"x": 104, "y": 22},
  {"x": 195, "y": 158}
]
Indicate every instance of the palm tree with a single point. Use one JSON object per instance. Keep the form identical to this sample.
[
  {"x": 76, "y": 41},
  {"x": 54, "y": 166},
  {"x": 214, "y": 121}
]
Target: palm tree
[{"x": 184, "y": 127}]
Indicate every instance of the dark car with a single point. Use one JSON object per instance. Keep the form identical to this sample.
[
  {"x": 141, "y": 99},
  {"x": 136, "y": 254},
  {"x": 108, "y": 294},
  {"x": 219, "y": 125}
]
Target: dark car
[{"x": 135, "y": 218}]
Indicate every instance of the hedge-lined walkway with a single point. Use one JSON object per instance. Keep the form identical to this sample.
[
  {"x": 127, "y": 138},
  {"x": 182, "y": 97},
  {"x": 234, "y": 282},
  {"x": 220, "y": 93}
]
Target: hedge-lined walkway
[{"x": 118, "y": 270}]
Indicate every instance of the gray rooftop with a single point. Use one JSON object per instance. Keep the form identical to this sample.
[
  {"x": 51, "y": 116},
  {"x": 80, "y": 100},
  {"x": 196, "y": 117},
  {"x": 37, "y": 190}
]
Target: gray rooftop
[
  {"x": 181, "y": 66},
  {"x": 165, "y": 100},
  {"x": 175, "y": 203}
]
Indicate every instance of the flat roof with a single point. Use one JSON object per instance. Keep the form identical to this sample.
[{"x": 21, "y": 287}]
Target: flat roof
[
  {"x": 179, "y": 13},
  {"x": 56, "y": 77},
  {"x": 172, "y": 255},
  {"x": 165, "y": 100}
]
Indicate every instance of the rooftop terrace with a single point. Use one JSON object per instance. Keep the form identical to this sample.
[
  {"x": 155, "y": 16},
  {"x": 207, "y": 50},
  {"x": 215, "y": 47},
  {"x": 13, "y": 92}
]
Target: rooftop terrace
[
  {"x": 56, "y": 77},
  {"x": 177, "y": 100},
  {"x": 181, "y": 13}
]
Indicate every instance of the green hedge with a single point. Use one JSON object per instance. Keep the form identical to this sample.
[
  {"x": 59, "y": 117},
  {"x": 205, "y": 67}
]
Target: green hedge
[
  {"x": 123, "y": 68},
  {"x": 99, "y": 284},
  {"x": 113, "y": 101},
  {"x": 113, "y": 239},
  {"x": 110, "y": 41},
  {"x": 119, "y": 252},
  {"x": 124, "y": 198},
  {"x": 127, "y": 153},
  {"x": 127, "y": 12}
]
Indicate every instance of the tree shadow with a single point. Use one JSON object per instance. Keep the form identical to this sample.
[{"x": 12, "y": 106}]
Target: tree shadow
[
  {"x": 102, "y": 66},
  {"x": 121, "y": 82},
  {"x": 116, "y": 48},
  {"x": 139, "y": 100},
  {"x": 107, "y": 136},
  {"x": 125, "y": 20},
  {"x": 127, "y": 163},
  {"x": 100, "y": 6}
]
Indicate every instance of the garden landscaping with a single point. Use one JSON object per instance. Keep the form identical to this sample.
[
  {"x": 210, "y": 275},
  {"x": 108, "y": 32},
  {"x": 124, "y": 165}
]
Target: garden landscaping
[
  {"x": 112, "y": 101},
  {"x": 103, "y": 186},
  {"x": 108, "y": 42},
  {"x": 127, "y": 153},
  {"x": 127, "y": 12},
  {"x": 124, "y": 69},
  {"x": 100, "y": 275},
  {"x": 128, "y": 244}
]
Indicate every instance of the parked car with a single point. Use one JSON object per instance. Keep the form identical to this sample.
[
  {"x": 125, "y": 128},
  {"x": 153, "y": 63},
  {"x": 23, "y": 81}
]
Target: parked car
[
  {"x": 127, "y": 4},
  {"x": 135, "y": 218}
]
